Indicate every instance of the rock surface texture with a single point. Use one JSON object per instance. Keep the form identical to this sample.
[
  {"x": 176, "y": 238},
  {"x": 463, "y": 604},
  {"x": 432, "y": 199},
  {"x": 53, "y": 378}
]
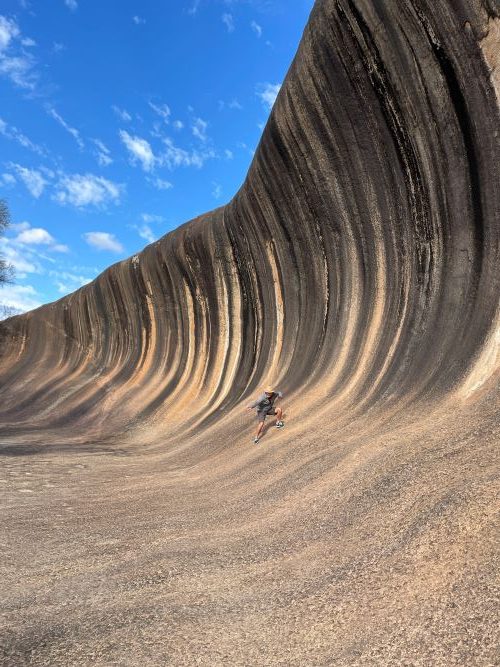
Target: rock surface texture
[{"x": 357, "y": 270}]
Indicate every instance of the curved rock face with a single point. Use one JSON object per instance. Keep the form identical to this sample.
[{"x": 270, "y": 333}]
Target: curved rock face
[
  {"x": 357, "y": 269},
  {"x": 360, "y": 255}
]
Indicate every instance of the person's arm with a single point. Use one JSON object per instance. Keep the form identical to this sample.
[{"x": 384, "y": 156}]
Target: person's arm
[{"x": 255, "y": 403}]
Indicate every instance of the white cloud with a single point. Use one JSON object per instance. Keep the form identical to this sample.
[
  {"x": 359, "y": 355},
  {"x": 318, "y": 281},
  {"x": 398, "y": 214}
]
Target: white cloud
[
  {"x": 35, "y": 235},
  {"x": 138, "y": 20},
  {"x": 228, "y": 154},
  {"x": 27, "y": 251},
  {"x": 122, "y": 114},
  {"x": 71, "y": 4},
  {"x": 178, "y": 124},
  {"x": 31, "y": 178},
  {"x": 140, "y": 150},
  {"x": 7, "y": 179},
  {"x": 19, "y": 226},
  {"x": 194, "y": 7},
  {"x": 102, "y": 153},
  {"x": 228, "y": 21},
  {"x": 217, "y": 191},
  {"x": 71, "y": 281},
  {"x": 151, "y": 217},
  {"x": 8, "y": 311},
  {"x": 146, "y": 233},
  {"x": 27, "y": 41},
  {"x": 38, "y": 236},
  {"x": 199, "y": 129},
  {"x": 29, "y": 235},
  {"x": 9, "y": 30},
  {"x": 11, "y": 132},
  {"x": 74, "y": 132},
  {"x": 174, "y": 156},
  {"x": 163, "y": 110},
  {"x": 161, "y": 184},
  {"x": 57, "y": 47},
  {"x": 20, "y": 258},
  {"x": 22, "y": 297},
  {"x": 268, "y": 93},
  {"x": 245, "y": 147},
  {"x": 233, "y": 104},
  {"x": 17, "y": 67},
  {"x": 87, "y": 190},
  {"x": 103, "y": 241},
  {"x": 256, "y": 28}
]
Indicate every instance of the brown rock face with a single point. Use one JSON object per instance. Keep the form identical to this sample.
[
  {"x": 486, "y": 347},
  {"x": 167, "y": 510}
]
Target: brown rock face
[{"x": 357, "y": 270}]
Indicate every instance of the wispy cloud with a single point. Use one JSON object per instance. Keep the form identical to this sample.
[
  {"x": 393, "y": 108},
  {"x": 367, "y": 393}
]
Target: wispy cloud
[
  {"x": 162, "y": 110},
  {"x": 103, "y": 241},
  {"x": 71, "y": 4},
  {"x": 102, "y": 153},
  {"x": 11, "y": 132},
  {"x": 122, "y": 114},
  {"x": 268, "y": 92},
  {"x": 9, "y": 30},
  {"x": 18, "y": 66},
  {"x": 21, "y": 258},
  {"x": 199, "y": 129},
  {"x": 178, "y": 124},
  {"x": 217, "y": 191},
  {"x": 67, "y": 282},
  {"x": 71, "y": 130},
  {"x": 194, "y": 7},
  {"x": 174, "y": 156},
  {"x": 140, "y": 150},
  {"x": 39, "y": 236},
  {"x": 145, "y": 232},
  {"x": 161, "y": 184},
  {"x": 228, "y": 21},
  {"x": 7, "y": 179},
  {"x": 138, "y": 20},
  {"x": 228, "y": 154},
  {"x": 82, "y": 190},
  {"x": 27, "y": 251},
  {"x": 152, "y": 217},
  {"x": 21, "y": 297},
  {"x": 232, "y": 104},
  {"x": 32, "y": 178},
  {"x": 256, "y": 28}
]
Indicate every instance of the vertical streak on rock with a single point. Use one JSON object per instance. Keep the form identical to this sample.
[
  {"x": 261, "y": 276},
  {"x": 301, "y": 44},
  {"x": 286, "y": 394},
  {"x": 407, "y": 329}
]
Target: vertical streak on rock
[{"x": 279, "y": 310}]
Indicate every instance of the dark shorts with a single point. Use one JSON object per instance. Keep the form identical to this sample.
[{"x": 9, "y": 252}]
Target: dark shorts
[{"x": 261, "y": 416}]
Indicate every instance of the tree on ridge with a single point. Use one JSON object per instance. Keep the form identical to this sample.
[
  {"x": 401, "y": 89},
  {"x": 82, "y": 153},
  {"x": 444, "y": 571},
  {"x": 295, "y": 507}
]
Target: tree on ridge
[{"x": 6, "y": 269}]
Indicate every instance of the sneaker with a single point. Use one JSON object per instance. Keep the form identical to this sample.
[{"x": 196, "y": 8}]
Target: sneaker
[
  {"x": 256, "y": 440},
  {"x": 280, "y": 424}
]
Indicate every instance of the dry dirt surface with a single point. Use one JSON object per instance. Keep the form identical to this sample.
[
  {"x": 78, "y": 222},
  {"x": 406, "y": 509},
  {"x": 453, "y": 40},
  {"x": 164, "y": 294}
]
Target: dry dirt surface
[{"x": 357, "y": 271}]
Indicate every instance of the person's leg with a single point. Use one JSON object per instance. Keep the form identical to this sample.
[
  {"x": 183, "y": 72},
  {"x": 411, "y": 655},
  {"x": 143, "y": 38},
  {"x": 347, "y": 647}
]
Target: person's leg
[
  {"x": 279, "y": 414},
  {"x": 260, "y": 428}
]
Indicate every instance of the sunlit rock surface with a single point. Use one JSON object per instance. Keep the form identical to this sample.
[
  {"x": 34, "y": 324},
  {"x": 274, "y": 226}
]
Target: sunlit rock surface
[{"x": 357, "y": 270}]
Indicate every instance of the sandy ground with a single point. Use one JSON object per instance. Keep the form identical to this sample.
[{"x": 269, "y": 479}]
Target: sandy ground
[{"x": 369, "y": 543}]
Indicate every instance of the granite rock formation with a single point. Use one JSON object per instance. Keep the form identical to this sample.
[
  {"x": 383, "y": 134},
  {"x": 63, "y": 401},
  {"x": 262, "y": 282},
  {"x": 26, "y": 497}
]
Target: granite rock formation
[{"x": 357, "y": 269}]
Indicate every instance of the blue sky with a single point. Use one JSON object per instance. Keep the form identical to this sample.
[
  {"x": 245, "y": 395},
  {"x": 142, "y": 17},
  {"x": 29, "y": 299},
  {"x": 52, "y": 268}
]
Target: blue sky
[{"x": 120, "y": 120}]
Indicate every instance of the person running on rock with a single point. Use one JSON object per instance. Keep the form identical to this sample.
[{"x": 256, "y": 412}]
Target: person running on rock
[{"x": 265, "y": 406}]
